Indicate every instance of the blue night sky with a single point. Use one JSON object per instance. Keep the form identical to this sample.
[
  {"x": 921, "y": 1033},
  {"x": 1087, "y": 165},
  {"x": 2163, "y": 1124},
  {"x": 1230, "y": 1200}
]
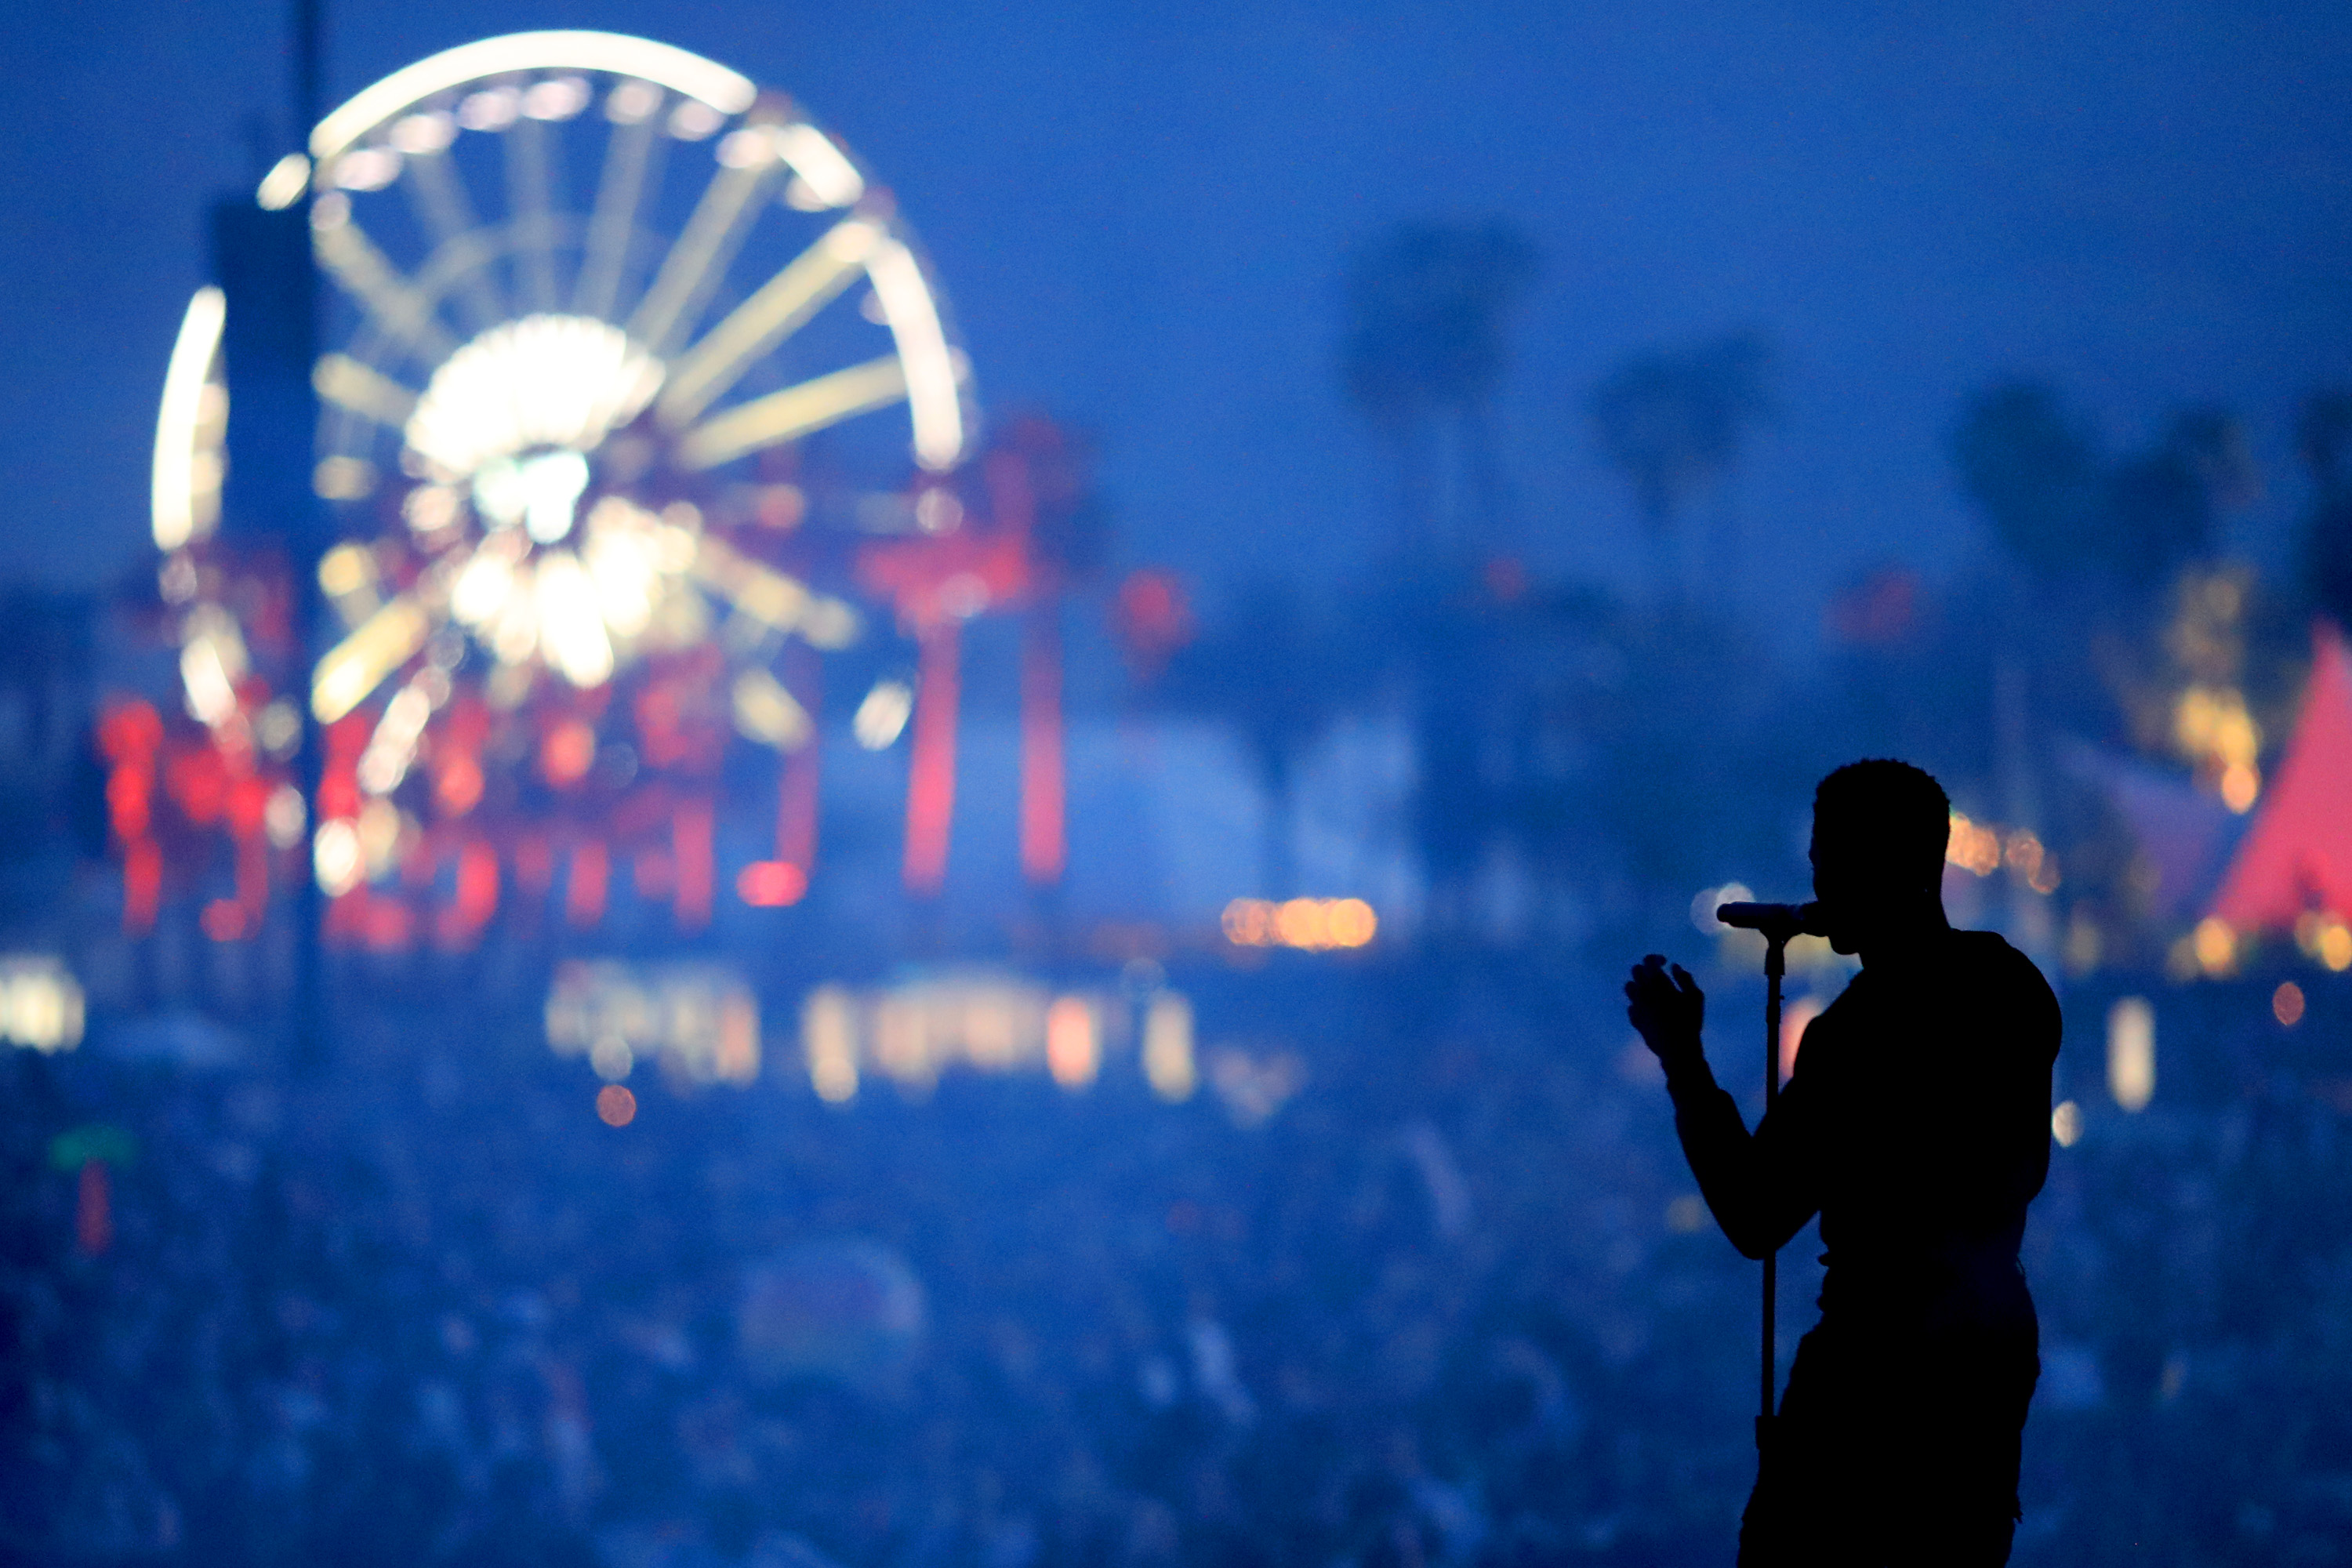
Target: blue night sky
[{"x": 1141, "y": 215}]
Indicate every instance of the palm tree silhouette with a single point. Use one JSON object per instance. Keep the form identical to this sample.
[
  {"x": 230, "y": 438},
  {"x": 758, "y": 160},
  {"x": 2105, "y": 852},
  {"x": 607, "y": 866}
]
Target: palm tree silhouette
[
  {"x": 2324, "y": 440},
  {"x": 1673, "y": 422},
  {"x": 1268, "y": 669},
  {"x": 1422, "y": 357},
  {"x": 2064, "y": 512}
]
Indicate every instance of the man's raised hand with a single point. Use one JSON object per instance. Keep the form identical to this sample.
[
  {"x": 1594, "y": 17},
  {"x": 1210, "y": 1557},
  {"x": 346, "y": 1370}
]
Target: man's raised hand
[{"x": 1665, "y": 1006}]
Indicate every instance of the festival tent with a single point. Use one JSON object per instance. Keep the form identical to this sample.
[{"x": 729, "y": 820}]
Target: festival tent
[
  {"x": 2297, "y": 855},
  {"x": 2186, "y": 835}
]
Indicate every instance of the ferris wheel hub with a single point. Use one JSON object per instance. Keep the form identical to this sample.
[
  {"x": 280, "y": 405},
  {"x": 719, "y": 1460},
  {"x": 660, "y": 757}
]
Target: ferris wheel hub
[
  {"x": 543, "y": 382},
  {"x": 538, "y": 491}
]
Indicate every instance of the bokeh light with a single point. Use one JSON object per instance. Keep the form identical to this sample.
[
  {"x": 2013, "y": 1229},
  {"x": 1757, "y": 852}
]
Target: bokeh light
[
  {"x": 1310, "y": 925},
  {"x": 2131, "y": 1052}
]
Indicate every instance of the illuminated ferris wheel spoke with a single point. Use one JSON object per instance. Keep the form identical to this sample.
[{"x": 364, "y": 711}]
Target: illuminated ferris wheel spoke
[
  {"x": 439, "y": 198},
  {"x": 391, "y": 746},
  {"x": 632, "y": 172},
  {"x": 757, "y": 592},
  {"x": 405, "y": 312},
  {"x": 532, "y": 197},
  {"x": 359, "y": 389},
  {"x": 693, "y": 267},
  {"x": 783, "y": 304},
  {"x": 794, "y": 412},
  {"x": 355, "y": 667},
  {"x": 767, "y": 711}
]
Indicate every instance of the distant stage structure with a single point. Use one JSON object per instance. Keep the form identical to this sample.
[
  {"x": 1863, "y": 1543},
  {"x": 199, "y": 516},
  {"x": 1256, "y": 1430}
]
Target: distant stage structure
[{"x": 627, "y": 383}]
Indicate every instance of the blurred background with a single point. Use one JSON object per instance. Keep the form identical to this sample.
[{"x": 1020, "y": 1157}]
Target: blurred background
[{"x": 866, "y": 785}]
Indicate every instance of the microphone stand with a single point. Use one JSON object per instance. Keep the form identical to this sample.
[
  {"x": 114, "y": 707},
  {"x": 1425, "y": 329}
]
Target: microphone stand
[
  {"x": 1775, "y": 964},
  {"x": 1777, "y": 923}
]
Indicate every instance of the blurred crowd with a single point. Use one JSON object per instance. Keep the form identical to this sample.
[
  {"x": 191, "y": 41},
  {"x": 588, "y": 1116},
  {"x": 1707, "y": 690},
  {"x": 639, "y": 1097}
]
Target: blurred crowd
[{"x": 1453, "y": 1302}]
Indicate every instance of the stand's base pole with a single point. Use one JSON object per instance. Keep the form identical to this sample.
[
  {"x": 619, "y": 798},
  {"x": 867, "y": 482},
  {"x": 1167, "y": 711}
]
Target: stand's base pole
[
  {"x": 1771, "y": 1296},
  {"x": 1775, "y": 965}
]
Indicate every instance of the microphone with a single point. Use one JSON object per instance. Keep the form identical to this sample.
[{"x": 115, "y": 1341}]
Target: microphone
[{"x": 1778, "y": 922}]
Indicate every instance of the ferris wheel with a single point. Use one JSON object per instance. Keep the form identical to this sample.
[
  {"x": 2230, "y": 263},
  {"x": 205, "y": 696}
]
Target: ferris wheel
[{"x": 616, "y": 340}]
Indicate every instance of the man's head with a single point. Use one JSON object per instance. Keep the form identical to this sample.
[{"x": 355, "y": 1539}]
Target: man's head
[{"x": 1880, "y": 828}]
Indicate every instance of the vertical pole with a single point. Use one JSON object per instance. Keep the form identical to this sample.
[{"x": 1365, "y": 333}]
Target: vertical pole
[
  {"x": 799, "y": 788},
  {"x": 309, "y": 1032},
  {"x": 692, "y": 834},
  {"x": 1775, "y": 967},
  {"x": 1043, "y": 845},
  {"x": 310, "y": 66},
  {"x": 930, "y": 767}
]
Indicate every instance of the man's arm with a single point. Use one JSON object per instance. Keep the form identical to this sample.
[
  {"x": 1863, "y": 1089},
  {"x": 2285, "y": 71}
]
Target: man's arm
[{"x": 1759, "y": 1188}]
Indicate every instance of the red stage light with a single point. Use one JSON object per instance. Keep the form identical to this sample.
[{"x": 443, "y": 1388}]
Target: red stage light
[
  {"x": 198, "y": 779},
  {"x": 930, "y": 771},
  {"x": 127, "y": 796},
  {"x": 692, "y": 831},
  {"x": 534, "y": 861},
  {"x": 338, "y": 785},
  {"x": 93, "y": 1210},
  {"x": 478, "y": 884},
  {"x": 592, "y": 868},
  {"x": 1043, "y": 839},
  {"x": 389, "y": 924},
  {"x": 131, "y": 731},
  {"x": 654, "y": 871},
  {"x": 222, "y": 921},
  {"x": 143, "y": 884},
  {"x": 771, "y": 884},
  {"x": 797, "y": 790},
  {"x": 1153, "y": 618},
  {"x": 567, "y": 753},
  {"x": 459, "y": 785}
]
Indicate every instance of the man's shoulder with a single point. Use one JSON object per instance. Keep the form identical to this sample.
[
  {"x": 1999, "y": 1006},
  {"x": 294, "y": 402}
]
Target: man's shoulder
[
  {"x": 2009, "y": 980},
  {"x": 1992, "y": 952}
]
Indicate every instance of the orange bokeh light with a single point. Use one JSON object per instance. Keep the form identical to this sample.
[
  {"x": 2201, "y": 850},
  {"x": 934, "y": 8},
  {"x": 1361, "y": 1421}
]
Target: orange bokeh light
[
  {"x": 1073, "y": 1047},
  {"x": 1312, "y": 925},
  {"x": 2286, "y": 1004},
  {"x": 615, "y": 1106}
]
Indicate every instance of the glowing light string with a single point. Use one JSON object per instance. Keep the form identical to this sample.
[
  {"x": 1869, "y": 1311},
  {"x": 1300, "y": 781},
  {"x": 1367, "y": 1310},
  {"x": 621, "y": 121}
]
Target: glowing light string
[{"x": 618, "y": 54}]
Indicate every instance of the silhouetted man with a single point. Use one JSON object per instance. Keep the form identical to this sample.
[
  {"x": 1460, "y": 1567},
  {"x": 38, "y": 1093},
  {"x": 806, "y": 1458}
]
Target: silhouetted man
[{"x": 1918, "y": 1125}]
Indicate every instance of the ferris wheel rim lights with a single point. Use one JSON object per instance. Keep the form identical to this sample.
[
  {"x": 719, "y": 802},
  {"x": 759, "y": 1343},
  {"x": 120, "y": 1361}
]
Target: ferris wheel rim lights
[
  {"x": 474, "y": 416},
  {"x": 666, "y": 65},
  {"x": 822, "y": 177},
  {"x": 177, "y": 502}
]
